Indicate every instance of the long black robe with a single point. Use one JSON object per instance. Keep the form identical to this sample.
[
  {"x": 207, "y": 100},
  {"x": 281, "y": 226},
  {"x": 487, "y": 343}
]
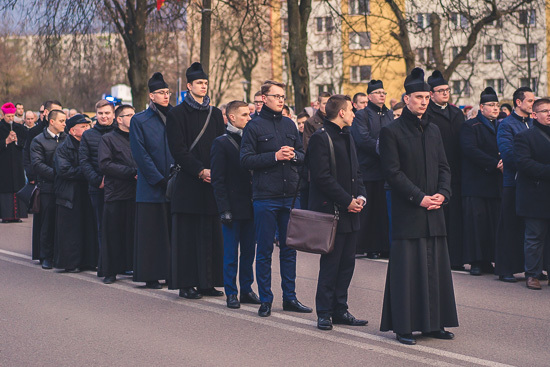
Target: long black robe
[{"x": 117, "y": 250}]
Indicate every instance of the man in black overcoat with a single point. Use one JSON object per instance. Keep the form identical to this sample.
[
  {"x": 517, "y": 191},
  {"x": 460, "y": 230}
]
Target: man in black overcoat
[
  {"x": 76, "y": 237},
  {"x": 419, "y": 293},
  {"x": 449, "y": 119},
  {"x": 232, "y": 186},
  {"x": 345, "y": 194},
  {"x": 481, "y": 184},
  {"x": 532, "y": 151},
  {"x": 42, "y": 150},
  {"x": 197, "y": 242}
]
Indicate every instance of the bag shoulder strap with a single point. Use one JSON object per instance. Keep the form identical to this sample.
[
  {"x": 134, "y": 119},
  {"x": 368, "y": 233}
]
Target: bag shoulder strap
[
  {"x": 232, "y": 141},
  {"x": 202, "y": 131}
]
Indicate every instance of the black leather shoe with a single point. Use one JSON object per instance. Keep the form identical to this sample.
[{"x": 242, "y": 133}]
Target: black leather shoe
[
  {"x": 406, "y": 339},
  {"x": 232, "y": 301},
  {"x": 296, "y": 306},
  {"x": 475, "y": 270},
  {"x": 542, "y": 276},
  {"x": 210, "y": 292},
  {"x": 73, "y": 270},
  {"x": 190, "y": 293},
  {"x": 324, "y": 323},
  {"x": 250, "y": 298},
  {"x": 109, "y": 280},
  {"x": 265, "y": 309},
  {"x": 440, "y": 334},
  {"x": 46, "y": 264},
  {"x": 507, "y": 278},
  {"x": 348, "y": 319},
  {"x": 154, "y": 284}
]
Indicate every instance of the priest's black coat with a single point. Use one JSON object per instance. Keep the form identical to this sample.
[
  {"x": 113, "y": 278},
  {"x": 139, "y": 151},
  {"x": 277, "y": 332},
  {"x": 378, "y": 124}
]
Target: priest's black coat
[{"x": 12, "y": 178}]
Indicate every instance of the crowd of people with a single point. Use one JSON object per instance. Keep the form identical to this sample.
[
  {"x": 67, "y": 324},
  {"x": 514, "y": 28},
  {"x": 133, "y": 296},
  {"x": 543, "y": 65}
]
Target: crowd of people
[{"x": 190, "y": 196}]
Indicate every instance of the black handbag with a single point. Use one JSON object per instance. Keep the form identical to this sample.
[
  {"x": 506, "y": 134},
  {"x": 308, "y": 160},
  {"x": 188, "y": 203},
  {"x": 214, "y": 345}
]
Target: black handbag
[
  {"x": 30, "y": 196},
  {"x": 311, "y": 231}
]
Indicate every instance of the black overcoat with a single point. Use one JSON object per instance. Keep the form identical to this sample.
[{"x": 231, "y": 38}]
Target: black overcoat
[
  {"x": 42, "y": 152},
  {"x": 414, "y": 164},
  {"x": 31, "y": 134},
  {"x": 325, "y": 190},
  {"x": 88, "y": 155},
  {"x": 68, "y": 172},
  {"x": 232, "y": 184},
  {"x": 12, "y": 178},
  {"x": 183, "y": 125}
]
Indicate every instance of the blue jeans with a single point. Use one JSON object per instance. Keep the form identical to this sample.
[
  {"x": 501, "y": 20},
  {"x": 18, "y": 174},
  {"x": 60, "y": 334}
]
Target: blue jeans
[
  {"x": 240, "y": 231},
  {"x": 271, "y": 215}
]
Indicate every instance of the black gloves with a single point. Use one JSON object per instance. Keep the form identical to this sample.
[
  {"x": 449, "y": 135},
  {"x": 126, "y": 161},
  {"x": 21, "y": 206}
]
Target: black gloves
[{"x": 226, "y": 218}]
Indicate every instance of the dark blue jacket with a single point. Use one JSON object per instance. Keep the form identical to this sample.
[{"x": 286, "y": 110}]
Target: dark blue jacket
[
  {"x": 150, "y": 150},
  {"x": 89, "y": 146},
  {"x": 480, "y": 157},
  {"x": 507, "y": 130},
  {"x": 232, "y": 184},
  {"x": 532, "y": 149},
  {"x": 365, "y": 131},
  {"x": 262, "y": 138}
]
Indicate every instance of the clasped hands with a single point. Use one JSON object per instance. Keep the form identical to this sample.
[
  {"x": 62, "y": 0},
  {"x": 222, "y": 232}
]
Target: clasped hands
[
  {"x": 286, "y": 153},
  {"x": 204, "y": 175},
  {"x": 432, "y": 202},
  {"x": 12, "y": 137},
  {"x": 356, "y": 205}
]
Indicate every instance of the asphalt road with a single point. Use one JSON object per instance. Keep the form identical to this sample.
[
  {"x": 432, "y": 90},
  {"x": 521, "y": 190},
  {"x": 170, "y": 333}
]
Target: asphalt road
[{"x": 57, "y": 319}]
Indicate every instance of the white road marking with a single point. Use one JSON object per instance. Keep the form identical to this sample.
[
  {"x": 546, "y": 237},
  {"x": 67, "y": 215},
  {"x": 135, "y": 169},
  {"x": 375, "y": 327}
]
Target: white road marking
[{"x": 169, "y": 296}]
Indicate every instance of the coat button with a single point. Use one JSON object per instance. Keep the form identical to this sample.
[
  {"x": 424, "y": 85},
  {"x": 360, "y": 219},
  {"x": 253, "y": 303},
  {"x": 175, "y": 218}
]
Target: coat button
[{"x": 411, "y": 198}]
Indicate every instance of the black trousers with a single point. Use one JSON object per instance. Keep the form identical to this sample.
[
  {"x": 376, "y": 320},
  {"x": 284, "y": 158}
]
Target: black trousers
[
  {"x": 374, "y": 231},
  {"x": 117, "y": 250},
  {"x": 335, "y": 273},
  {"x": 47, "y": 228},
  {"x": 509, "y": 258}
]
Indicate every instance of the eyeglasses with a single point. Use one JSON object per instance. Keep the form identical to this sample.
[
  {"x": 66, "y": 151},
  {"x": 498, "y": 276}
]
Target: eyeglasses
[
  {"x": 443, "y": 91},
  {"x": 492, "y": 105},
  {"x": 380, "y": 92},
  {"x": 542, "y": 112},
  {"x": 258, "y": 102},
  {"x": 128, "y": 114},
  {"x": 276, "y": 96},
  {"x": 163, "y": 93}
]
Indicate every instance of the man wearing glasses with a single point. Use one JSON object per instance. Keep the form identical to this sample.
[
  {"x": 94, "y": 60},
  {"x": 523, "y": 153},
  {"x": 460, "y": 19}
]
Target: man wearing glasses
[
  {"x": 481, "y": 184},
  {"x": 449, "y": 119},
  {"x": 272, "y": 148},
  {"x": 258, "y": 104},
  {"x": 365, "y": 130}
]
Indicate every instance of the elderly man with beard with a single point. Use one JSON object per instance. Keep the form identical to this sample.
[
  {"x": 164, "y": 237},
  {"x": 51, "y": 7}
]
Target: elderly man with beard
[{"x": 419, "y": 292}]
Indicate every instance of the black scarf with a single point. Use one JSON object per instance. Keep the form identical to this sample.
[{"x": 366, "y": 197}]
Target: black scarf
[
  {"x": 196, "y": 105},
  {"x": 162, "y": 109}
]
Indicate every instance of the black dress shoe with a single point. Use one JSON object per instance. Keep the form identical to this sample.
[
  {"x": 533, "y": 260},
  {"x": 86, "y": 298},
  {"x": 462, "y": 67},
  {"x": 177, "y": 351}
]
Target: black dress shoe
[
  {"x": 324, "y": 323},
  {"x": 190, "y": 293},
  {"x": 507, "y": 278},
  {"x": 348, "y": 319},
  {"x": 109, "y": 280},
  {"x": 73, "y": 270},
  {"x": 154, "y": 284},
  {"x": 406, "y": 339},
  {"x": 250, "y": 298},
  {"x": 440, "y": 334},
  {"x": 458, "y": 268},
  {"x": 46, "y": 264},
  {"x": 265, "y": 309},
  {"x": 542, "y": 276},
  {"x": 475, "y": 270},
  {"x": 210, "y": 292},
  {"x": 296, "y": 306},
  {"x": 233, "y": 301}
]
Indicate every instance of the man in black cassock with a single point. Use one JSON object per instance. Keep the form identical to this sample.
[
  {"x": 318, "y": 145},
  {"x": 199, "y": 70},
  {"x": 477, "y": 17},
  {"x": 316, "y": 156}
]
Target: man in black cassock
[
  {"x": 12, "y": 179},
  {"x": 120, "y": 170},
  {"x": 449, "y": 119},
  {"x": 197, "y": 241},
  {"x": 419, "y": 292},
  {"x": 75, "y": 236}
]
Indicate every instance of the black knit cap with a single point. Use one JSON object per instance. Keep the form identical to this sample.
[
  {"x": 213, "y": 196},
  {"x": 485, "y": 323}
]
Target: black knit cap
[
  {"x": 75, "y": 120},
  {"x": 195, "y": 72},
  {"x": 415, "y": 82},
  {"x": 436, "y": 79},
  {"x": 156, "y": 82},
  {"x": 488, "y": 95},
  {"x": 374, "y": 85}
]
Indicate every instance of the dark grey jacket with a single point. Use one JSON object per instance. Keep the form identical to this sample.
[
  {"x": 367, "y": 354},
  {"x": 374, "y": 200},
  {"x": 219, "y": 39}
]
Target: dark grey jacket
[
  {"x": 88, "y": 155},
  {"x": 42, "y": 150}
]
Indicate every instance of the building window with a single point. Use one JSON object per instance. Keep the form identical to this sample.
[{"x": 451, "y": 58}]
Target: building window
[
  {"x": 496, "y": 84},
  {"x": 454, "y": 52},
  {"x": 493, "y": 52},
  {"x": 529, "y": 50},
  {"x": 359, "y": 41},
  {"x": 324, "y": 25},
  {"x": 284, "y": 25},
  {"x": 425, "y": 55},
  {"x": 495, "y": 23},
  {"x": 325, "y": 88},
  {"x": 423, "y": 20},
  {"x": 323, "y": 59},
  {"x": 359, "y": 7},
  {"x": 460, "y": 87},
  {"x": 360, "y": 74},
  {"x": 528, "y": 17},
  {"x": 524, "y": 82},
  {"x": 459, "y": 21}
]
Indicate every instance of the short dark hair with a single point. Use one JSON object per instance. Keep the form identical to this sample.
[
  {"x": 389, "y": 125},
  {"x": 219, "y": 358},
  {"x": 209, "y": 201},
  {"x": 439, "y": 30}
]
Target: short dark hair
[
  {"x": 539, "y": 102},
  {"x": 121, "y": 109},
  {"x": 258, "y": 94},
  {"x": 357, "y": 95},
  {"x": 506, "y": 105},
  {"x": 48, "y": 105},
  {"x": 53, "y": 114},
  {"x": 302, "y": 114},
  {"x": 323, "y": 95},
  {"x": 336, "y": 103},
  {"x": 268, "y": 84},
  {"x": 232, "y": 106},
  {"x": 520, "y": 94},
  {"x": 18, "y": 104},
  {"x": 286, "y": 108},
  {"x": 398, "y": 106},
  {"x": 102, "y": 103}
]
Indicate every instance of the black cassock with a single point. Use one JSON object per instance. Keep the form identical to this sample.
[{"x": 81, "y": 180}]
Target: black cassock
[
  {"x": 75, "y": 235},
  {"x": 419, "y": 293}
]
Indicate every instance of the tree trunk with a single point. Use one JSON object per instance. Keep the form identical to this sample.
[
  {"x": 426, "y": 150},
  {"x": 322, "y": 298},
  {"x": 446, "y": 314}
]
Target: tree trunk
[
  {"x": 298, "y": 16},
  {"x": 205, "y": 34}
]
